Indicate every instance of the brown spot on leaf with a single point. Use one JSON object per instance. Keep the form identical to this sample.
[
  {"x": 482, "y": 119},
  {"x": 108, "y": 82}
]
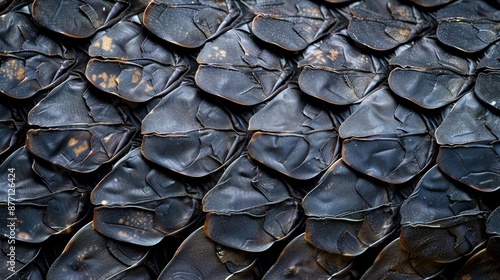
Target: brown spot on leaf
[
  {"x": 12, "y": 69},
  {"x": 81, "y": 148},
  {"x": 136, "y": 77},
  {"x": 23, "y": 235},
  {"x": 332, "y": 54},
  {"x": 404, "y": 32},
  {"x": 107, "y": 43},
  {"x": 72, "y": 142}
]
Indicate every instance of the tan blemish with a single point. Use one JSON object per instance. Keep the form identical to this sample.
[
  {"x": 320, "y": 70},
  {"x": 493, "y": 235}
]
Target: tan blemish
[
  {"x": 106, "y": 43},
  {"x": 106, "y": 139},
  {"x": 332, "y": 54},
  {"x": 404, "y": 32},
  {"x": 23, "y": 235},
  {"x": 94, "y": 77},
  {"x": 402, "y": 12},
  {"x": 112, "y": 81},
  {"x": 104, "y": 77},
  {"x": 221, "y": 53},
  {"x": 80, "y": 149},
  {"x": 316, "y": 57},
  {"x": 148, "y": 88},
  {"x": 122, "y": 234},
  {"x": 136, "y": 77},
  {"x": 97, "y": 44},
  {"x": 13, "y": 70},
  {"x": 215, "y": 48},
  {"x": 120, "y": 221},
  {"x": 72, "y": 142}
]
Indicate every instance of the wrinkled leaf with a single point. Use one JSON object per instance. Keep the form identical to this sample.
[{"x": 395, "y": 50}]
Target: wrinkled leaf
[
  {"x": 468, "y": 25},
  {"x": 198, "y": 137},
  {"x": 338, "y": 72},
  {"x": 78, "y": 129},
  {"x": 190, "y": 23},
  {"x": 301, "y": 260},
  {"x": 299, "y": 22},
  {"x": 132, "y": 65},
  {"x": 348, "y": 213},
  {"x": 140, "y": 203},
  {"x": 235, "y": 67},
  {"x": 386, "y": 139},
  {"x": 198, "y": 257},
  {"x": 384, "y": 25},
  {"x": 430, "y": 76},
  {"x": 294, "y": 135},
  {"x": 442, "y": 221},
  {"x": 250, "y": 208}
]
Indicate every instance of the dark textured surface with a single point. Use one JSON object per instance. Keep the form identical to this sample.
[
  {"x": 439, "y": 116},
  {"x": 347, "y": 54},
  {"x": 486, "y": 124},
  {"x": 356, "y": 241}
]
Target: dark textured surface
[{"x": 253, "y": 139}]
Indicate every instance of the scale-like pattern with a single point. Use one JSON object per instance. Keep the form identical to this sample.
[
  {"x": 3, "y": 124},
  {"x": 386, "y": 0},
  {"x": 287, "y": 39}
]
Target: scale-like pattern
[{"x": 252, "y": 139}]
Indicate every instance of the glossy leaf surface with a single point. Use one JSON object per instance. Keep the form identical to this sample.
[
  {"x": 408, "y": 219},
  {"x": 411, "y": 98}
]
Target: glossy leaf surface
[
  {"x": 301, "y": 260},
  {"x": 30, "y": 61},
  {"x": 190, "y": 23},
  {"x": 386, "y": 140},
  {"x": 48, "y": 200},
  {"x": 199, "y": 137},
  {"x": 131, "y": 64},
  {"x": 394, "y": 262},
  {"x": 487, "y": 81},
  {"x": 294, "y": 135},
  {"x": 251, "y": 207},
  {"x": 430, "y": 76},
  {"x": 468, "y": 25},
  {"x": 338, "y": 72},
  {"x": 441, "y": 220},
  {"x": 82, "y": 18},
  {"x": 199, "y": 257},
  {"x": 348, "y": 212},
  {"x": 78, "y": 129},
  {"x": 235, "y": 67},
  {"x": 140, "y": 203},
  {"x": 90, "y": 253},
  {"x": 299, "y": 22},
  {"x": 470, "y": 131},
  {"x": 384, "y": 25}
]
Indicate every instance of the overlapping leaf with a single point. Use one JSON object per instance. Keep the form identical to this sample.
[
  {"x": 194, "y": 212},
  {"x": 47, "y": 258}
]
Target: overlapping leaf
[
  {"x": 470, "y": 132},
  {"x": 338, "y": 72},
  {"x": 46, "y": 200},
  {"x": 468, "y": 25},
  {"x": 197, "y": 135},
  {"x": 30, "y": 61},
  {"x": 441, "y": 220},
  {"x": 294, "y": 135},
  {"x": 488, "y": 79},
  {"x": 190, "y": 23},
  {"x": 384, "y": 25},
  {"x": 348, "y": 213},
  {"x": 301, "y": 260},
  {"x": 199, "y": 257},
  {"x": 235, "y": 67},
  {"x": 394, "y": 262},
  {"x": 132, "y": 65},
  {"x": 387, "y": 140},
  {"x": 102, "y": 258},
  {"x": 298, "y": 22},
  {"x": 83, "y": 18},
  {"x": 140, "y": 203},
  {"x": 78, "y": 128},
  {"x": 251, "y": 207},
  {"x": 431, "y": 76}
]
